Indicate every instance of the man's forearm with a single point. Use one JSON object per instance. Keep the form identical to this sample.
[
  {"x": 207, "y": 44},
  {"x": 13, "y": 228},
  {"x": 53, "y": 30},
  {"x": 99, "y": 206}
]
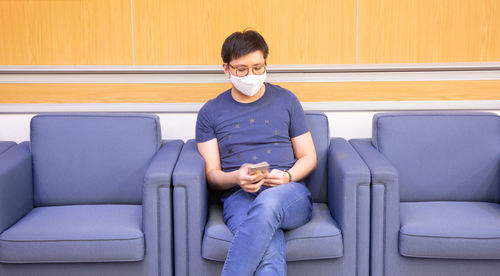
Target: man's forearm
[
  {"x": 220, "y": 180},
  {"x": 302, "y": 167}
]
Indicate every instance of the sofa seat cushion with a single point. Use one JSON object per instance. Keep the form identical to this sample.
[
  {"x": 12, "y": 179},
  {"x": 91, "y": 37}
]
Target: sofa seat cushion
[
  {"x": 320, "y": 238},
  {"x": 76, "y": 233},
  {"x": 450, "y": 230}
]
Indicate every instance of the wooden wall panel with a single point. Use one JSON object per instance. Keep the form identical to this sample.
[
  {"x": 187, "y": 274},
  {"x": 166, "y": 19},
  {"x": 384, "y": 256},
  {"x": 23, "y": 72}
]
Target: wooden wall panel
[
  {"x": 201, "y": 92},
  {"x": 411, "y": 31},
  {"x": 76, "y": 32},
  {"x": 192, "y": 32}
]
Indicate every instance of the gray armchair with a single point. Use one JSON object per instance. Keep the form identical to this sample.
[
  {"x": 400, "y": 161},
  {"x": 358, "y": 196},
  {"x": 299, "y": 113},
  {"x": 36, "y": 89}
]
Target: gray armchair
[
  {"x": 334, "y": 242},
  {"x": 89, "y": 195},
  {"x": 435, "y": 193}
]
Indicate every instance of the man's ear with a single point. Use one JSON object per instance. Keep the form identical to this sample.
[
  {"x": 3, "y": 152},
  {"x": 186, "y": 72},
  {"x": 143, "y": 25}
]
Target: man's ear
[{"x": 226, "y": 70}]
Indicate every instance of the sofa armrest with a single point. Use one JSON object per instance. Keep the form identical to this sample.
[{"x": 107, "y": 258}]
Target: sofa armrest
[
  {"x": 349, "y": 202},
  {"x": 162, "y": 166},
  {"x": 384, "y": 208},
  {"x": 16, "y": 185},
  {"x": 157, "y": 208},
  {"x": 190, "y": 209}
]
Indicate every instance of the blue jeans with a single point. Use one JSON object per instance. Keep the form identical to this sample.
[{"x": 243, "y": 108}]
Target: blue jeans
[{"x": 257, "y": 222}]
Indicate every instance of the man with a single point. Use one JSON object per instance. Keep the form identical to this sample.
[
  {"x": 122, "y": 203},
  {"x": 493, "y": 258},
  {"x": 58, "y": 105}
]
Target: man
[{"x": 247, "y": 124}]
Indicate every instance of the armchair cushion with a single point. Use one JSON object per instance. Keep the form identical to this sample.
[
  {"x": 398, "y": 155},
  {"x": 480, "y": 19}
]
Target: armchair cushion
[
  {"x": 451, "y": 230},
  {"x": 77, "y": 233},
  {"x": 442, "y": 156},
  {"x": 5, "y": 146},
  {"x": 320, "y": 238},
  {"x": 92, "y": 158}
]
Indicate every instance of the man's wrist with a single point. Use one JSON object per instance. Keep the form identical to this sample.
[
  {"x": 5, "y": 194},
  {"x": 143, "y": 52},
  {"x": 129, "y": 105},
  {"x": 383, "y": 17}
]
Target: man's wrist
[{"x": 289, "y": 175}]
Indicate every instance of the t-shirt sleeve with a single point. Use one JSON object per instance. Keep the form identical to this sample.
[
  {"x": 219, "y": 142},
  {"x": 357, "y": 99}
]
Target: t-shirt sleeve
[
  {"x": 204, "y": 124},
  {"x": 298, "y": 125}
]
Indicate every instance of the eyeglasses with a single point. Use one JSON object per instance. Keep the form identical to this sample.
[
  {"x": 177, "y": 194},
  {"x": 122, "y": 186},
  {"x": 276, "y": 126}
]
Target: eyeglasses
[{"x": 243, "y": 70}]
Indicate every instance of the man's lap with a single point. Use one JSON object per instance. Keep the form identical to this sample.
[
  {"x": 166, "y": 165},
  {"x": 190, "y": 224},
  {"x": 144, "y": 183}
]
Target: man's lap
[{"x": 293, "y": 199}]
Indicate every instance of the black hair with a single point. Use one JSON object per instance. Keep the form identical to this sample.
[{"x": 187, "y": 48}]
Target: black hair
[{"x": 239, "y": 44}]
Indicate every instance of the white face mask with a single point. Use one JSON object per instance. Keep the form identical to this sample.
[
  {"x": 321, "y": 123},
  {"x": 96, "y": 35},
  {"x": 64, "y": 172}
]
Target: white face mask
[{"x": 250, "y": 84}]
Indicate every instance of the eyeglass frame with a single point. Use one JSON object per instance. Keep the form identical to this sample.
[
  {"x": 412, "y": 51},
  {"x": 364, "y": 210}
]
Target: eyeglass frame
[{"x": 248, "y": 70}]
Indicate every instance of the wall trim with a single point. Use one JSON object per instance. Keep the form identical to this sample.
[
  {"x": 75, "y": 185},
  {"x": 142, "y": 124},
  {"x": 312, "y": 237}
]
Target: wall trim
[
  {"x": 308, "y": 106},
  {"x": 282, "y": 68},
  {"x": 276, "y": 73}
]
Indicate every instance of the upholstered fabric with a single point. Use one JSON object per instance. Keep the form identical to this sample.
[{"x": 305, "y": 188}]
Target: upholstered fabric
[
  {"x": 316, "y": 181},
  {"x": 429, "y": 149},
  {"x": 303, "y": 243},
  {"x": 5, "y": 145},
  {"x": 342, "y": 181},
  {"x": 92, "y": 159},
  {"x": 105, "y": 158},
  {"x": 157, "y": 209},
  {"x": 434, "y": 176},
  {"x": 78, "y": 233},
  {"x": 16, "y": 189},
  {"x": 453, "y": 230}
]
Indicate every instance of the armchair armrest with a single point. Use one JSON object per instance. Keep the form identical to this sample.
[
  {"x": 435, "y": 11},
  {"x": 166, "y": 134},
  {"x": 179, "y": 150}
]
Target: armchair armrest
[
  {"x": 384, "y": 207},
  {"x": 161, "y": 168},
  {"x": 157, "y": 215},
  {"x": 349, "y": 202},
  {"x": 190, "y": 210},
  {"x": 16, "y": 185}
]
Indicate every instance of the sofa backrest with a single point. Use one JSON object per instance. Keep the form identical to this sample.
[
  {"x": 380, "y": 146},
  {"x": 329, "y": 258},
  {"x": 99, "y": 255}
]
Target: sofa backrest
[
  {"x": 98, "y": 158},
  {"x": 317, "y": 180},
  {"x": 442, "y": 155}
]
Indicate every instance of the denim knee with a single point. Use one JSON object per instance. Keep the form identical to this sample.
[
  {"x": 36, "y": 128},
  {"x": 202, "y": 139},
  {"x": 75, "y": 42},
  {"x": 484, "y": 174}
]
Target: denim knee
[{"x": 267, "y": 209}]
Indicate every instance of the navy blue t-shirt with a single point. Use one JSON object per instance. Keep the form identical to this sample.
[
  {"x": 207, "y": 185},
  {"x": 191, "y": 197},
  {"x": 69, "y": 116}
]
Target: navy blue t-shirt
[{"x": 253, "y": 132}]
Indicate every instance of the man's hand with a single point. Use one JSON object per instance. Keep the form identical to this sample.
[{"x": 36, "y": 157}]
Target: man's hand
[
  {"x": 276, "y": 177},
  {"x": 250, "y": 183}
]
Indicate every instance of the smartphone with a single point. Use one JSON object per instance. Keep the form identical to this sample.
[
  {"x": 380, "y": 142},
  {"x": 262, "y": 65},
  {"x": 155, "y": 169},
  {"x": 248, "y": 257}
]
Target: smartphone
[{"x": 259, "y": 167}]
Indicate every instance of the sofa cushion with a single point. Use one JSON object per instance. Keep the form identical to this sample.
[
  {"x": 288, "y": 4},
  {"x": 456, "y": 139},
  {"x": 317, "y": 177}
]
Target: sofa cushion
[
  {"x": 78, "y": 233},
  {"x": 97, "y": 158},
  {"x": 320, "y": 238},
  {"x": 442, "y": 156},
  {"x": 316, "y": 180},
  {"x": 450, "y": 230},
  {"x": 4, "y": 146}
]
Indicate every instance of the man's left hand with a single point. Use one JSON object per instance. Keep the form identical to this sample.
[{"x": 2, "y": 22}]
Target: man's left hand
[{"x": 275, "y": 178}]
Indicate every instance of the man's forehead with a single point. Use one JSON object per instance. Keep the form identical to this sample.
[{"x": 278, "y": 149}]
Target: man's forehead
[{"x": 253, "y": 58}]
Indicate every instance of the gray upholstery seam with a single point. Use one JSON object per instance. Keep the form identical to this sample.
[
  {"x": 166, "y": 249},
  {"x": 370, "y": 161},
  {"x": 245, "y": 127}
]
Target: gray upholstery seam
[
  {"x": 315, "y": 258},
  {"x": 318, "y": 237},
  {"x": 442, "y": 237},
  {"x": 60, "y": 261},
  {"x": 452, "y": 114},
  {"x": 94, "y": 240},
  {"x": 384, "y": 230},
  {"x": 356, "y": 242},
  {"x": 447, "y": 257},
  {"x": 294, "y": 239},
  {"x": 219, "y": 239},
  {"x": 158, "y": 218},
  {"x": 98, "y": 114},
  {"x": 186, "y": 209},
  {"x": 6, "y": 149},
  {"x": 289, "y": 240}
]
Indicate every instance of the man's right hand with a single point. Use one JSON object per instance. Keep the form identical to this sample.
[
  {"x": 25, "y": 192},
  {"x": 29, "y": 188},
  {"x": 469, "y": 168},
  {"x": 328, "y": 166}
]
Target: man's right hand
[{"x": 250, "y": 183}]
